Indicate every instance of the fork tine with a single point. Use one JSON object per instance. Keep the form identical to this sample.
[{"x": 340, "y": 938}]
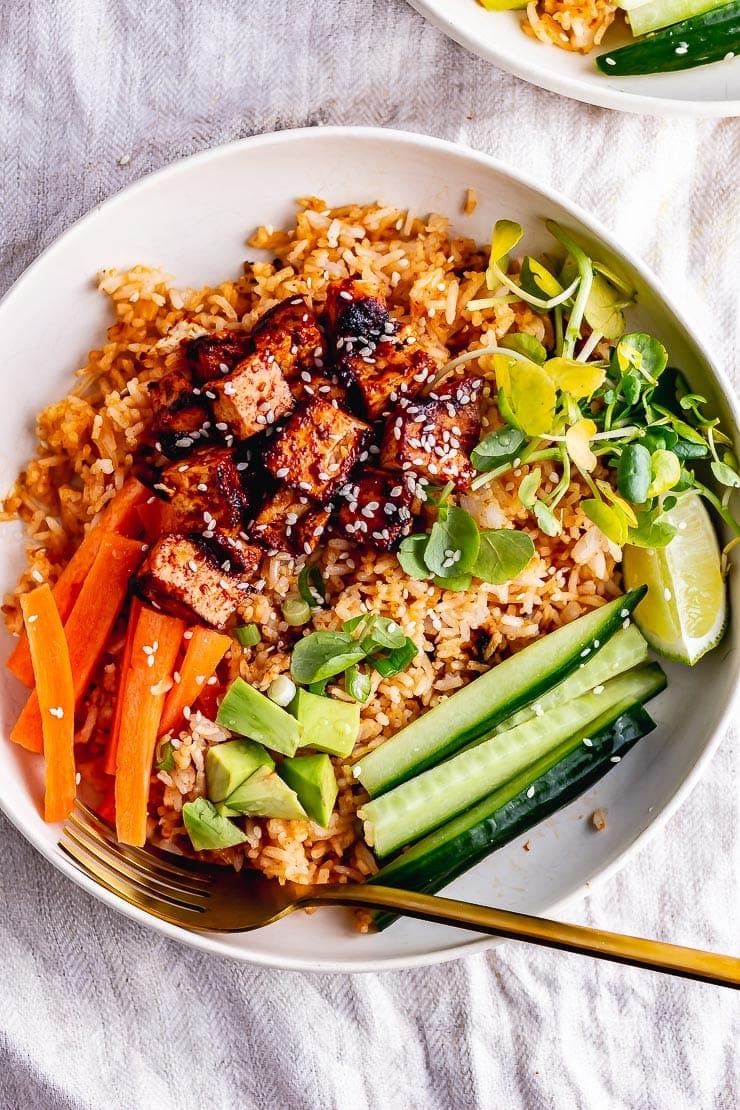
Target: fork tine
[
  {"x": 165, "y": 864},
  {"x": 122, "y": 880},
  {"x": 116, "y": 859}
]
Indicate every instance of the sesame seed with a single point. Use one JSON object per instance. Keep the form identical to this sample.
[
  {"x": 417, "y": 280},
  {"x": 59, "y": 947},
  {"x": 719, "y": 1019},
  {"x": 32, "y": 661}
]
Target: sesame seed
[
  {"x": 598, "y": 689},
  {"x": 188, "y": 634},
  {"x": 32, "y": 619},
  {"x": 200, "y": 679},
  {"x": 37, "y": 575},
  {"x": 624, "y": 612},
  {"x": 588, "y": 743},
  {"x": 615, "y": 759},
  {"x": 56, "y": 711},
  {"x": 530, "y": 792}
]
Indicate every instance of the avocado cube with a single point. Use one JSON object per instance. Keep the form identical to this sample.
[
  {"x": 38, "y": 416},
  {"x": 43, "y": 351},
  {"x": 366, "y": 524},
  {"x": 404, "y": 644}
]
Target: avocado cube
[
  {"x": 207, "y": 829},
  {"x": 328, "y": 725},
  {"x": 248, "y": 712},
  {"x": 229, "y": 764},
  {"x": 264, "y": 794},
  {"x": 312, "y": 778},
  {"x": 225, "y": 811}
]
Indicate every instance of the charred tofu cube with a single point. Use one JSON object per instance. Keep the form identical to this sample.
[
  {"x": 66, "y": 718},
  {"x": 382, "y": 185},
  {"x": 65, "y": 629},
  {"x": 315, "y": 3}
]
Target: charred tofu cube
[
  {"x": 252, "y": 397},
  {"x": 182, "y": 577},
  {"x": 181, "y": 418},
  {"x": 207, "y": 487},
  {"x": 289, "y": 521},
  {"x": 211, "y": 356},
  {"x": 316, "y": 450},
  {"x": 431, "y": 438},
  {"x": 373, "y": 508},
  {"x": 290, "y": 334},
  {"x": 379, "y": 375},
  {"x": 356, "y": 311}
]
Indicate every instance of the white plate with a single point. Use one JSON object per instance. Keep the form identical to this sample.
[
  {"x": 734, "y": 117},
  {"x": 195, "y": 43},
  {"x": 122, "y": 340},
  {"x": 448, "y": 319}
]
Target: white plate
[
  {"x": 193, "y": 218},
  {"x": 712, "y": 90}
]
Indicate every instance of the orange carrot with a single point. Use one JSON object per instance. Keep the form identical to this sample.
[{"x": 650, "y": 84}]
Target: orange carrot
[
  {"x": 156, "y": 643},
  {"x": 56, "y": 699},
  {"x": 110, "y": 756},
  {"x": 117, "y": 516},
  {"x": 150, "y": 514},
  {"x": 205, "y": 651},
  {"x": 87, "y": 627}
]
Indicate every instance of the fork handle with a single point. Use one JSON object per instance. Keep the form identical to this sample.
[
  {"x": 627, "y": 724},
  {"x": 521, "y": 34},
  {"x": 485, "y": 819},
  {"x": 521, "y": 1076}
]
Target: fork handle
[{"x": 690, "y": 963}]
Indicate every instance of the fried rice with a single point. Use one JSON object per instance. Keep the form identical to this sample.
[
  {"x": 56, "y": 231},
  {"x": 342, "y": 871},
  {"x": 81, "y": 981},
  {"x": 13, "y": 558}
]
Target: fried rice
[{"x": 86, "y": 447}]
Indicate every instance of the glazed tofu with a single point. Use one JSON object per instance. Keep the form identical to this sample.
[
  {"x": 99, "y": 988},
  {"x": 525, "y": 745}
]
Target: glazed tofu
[
  {"x": 431, "y": 438},
  {"x": 289, "y": 521},
  {"x": 378, "y": 376},
  {"x": 251, "y": 398},
  {"x": 289, "y": 333},
  {"x": 206, "y": 487},
  {"x": 373, "y": 508},
  {"x": 182, "y": 577},
  {"x": 316, "y": 450},
  {"x": 356, "y": 311},
  {"x": 210, "y": 357}
]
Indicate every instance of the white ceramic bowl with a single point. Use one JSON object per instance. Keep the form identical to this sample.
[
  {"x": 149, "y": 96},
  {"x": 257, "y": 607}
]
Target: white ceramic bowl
[
  {"x": 193, "y": 218},
  {"x": 712, "y": 90}
]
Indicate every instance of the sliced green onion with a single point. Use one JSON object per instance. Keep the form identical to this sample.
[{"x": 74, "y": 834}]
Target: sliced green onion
[
  {"x": 247, "y": 635},
  {"x": 164, "y": 759},
  {"x": 296, "y": 611},
  {"x": 311, "y": 586},
  {"x": 281, "y": 690}
]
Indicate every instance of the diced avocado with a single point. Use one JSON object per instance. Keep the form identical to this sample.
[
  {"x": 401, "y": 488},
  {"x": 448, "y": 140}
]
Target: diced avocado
[
  {"x": 207, "y": 829},
  {"x": 264, "y": 794},
  {"x": 229, "y": 764},
  {"x": 328, "y": 725},
  {"x": 225, "y": 811},
  {"x": 248, "y": 712},
  {"x": 312, "y": 778}
]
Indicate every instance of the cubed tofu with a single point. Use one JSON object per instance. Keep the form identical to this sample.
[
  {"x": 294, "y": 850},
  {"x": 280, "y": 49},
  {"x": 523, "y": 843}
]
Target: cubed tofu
[
  {"x": 379, "y": 375},
  {"x": 181, "y": 418},
  {"x": 212, "y": 356},
  {"x": 205, "y": 487},
  {"x": 289, "y": 521},
  {"x": 252, "y": 397},
  {"x": 182, "y": 577},
  {"x": 316, "y": 450},
  {"x": 356, "y": 310},
  {"x": 289, "y": 333},
  {"x": 431, "y": 438},
  {"x": 373, "y": 508}
]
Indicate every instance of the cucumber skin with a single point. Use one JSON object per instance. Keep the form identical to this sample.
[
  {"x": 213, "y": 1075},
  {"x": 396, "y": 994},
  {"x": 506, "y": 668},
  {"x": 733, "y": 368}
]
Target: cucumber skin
[
  {"x": 579, "y": 768},
  {"x": 380, "y": 782},
  {"x": 710, "y": 37}
]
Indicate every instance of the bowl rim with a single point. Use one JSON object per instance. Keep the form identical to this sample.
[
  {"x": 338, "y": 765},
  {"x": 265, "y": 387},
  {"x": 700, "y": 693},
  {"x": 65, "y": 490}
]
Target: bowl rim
[
  {"x": 211, "y": 942},
  {"x": 574, "y": 87}
]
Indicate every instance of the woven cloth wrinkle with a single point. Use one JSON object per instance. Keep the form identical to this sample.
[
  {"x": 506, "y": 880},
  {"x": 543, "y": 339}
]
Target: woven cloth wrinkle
[{"x": 96, "y": 1011}]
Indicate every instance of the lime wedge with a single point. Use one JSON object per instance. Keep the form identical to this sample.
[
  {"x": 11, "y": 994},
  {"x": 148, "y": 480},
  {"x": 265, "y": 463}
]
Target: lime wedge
[{"x": 684, "y": 612}]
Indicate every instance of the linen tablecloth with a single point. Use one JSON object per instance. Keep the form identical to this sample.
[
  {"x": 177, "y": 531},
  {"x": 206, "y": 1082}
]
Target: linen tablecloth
[{"x": 98, "y": 1012}]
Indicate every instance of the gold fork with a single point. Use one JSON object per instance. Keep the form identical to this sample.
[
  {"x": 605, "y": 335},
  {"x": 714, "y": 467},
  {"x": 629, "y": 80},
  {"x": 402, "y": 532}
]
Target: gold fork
[{"x": 198, "y": 896}]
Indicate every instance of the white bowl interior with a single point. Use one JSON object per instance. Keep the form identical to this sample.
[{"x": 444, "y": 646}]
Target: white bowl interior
[
  {"x": 193, "y": 219},
  {"x": 712, "y": 90}
]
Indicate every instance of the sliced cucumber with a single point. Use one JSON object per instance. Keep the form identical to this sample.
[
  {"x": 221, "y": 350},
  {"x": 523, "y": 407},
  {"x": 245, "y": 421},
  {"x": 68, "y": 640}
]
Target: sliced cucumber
[
  {"x": 528, "y": 798},
  {"x": 484, "y": 703},
  {"x": 656, "y": 14},
  {"x": 427, "y": 801}
]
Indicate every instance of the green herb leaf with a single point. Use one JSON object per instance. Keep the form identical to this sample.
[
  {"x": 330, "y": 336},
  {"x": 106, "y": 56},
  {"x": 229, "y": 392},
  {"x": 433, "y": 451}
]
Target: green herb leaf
[
  {"x": 526, "y": 345},
  {"x": 686, "y": 450},
  {"x": 548, "y": 522},
  {"x": 631, "y": 386},
  {"x": 411, "y": 556},
  {"x": 633, "y": 473},
  {"x": 503, "y": 554},
  {"x": 385, "y": 633},
  {"x": 311, "y": 586},
  {"x": 607, "y": 518},
  {"x": 453, "y": 544},
  {"x": 323, "y": 654},
  {"x": 247, "y": 635},
  {"x": 665, "y": 472},
  {"x": 537, "y": 280},
  {"x": 528, "y": 487},
  {"x": 462, "y": 582},
  {"x": 651, "y": 532},
  {"x": 725, "y": 475},
  {"x": 642, "y": 353},
  {"x": 497, "y": 447},
  {"x": 506, "y": 235},
  {"x": 357, "y": 683}
]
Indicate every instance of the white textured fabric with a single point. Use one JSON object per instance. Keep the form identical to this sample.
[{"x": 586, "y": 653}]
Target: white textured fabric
[{"x": 97, "y": 1012}]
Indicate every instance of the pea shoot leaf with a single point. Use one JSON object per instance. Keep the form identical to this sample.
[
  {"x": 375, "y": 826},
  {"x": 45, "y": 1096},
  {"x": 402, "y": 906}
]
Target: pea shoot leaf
[
  {"x": 503, "y": 554},
  {"x": 453, "y": 544}
]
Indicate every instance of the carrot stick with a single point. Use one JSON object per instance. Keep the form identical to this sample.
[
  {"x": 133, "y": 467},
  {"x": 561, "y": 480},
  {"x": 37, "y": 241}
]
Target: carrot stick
[
  {"x": 87, "y": 627},
  {"x": 110, "y": 755},
  {"x": 117, "y": 516},
  {"x": 205, "y": 651},
  {"x": 156, "y": 643},
  {"x": 56, "y": 699}
]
